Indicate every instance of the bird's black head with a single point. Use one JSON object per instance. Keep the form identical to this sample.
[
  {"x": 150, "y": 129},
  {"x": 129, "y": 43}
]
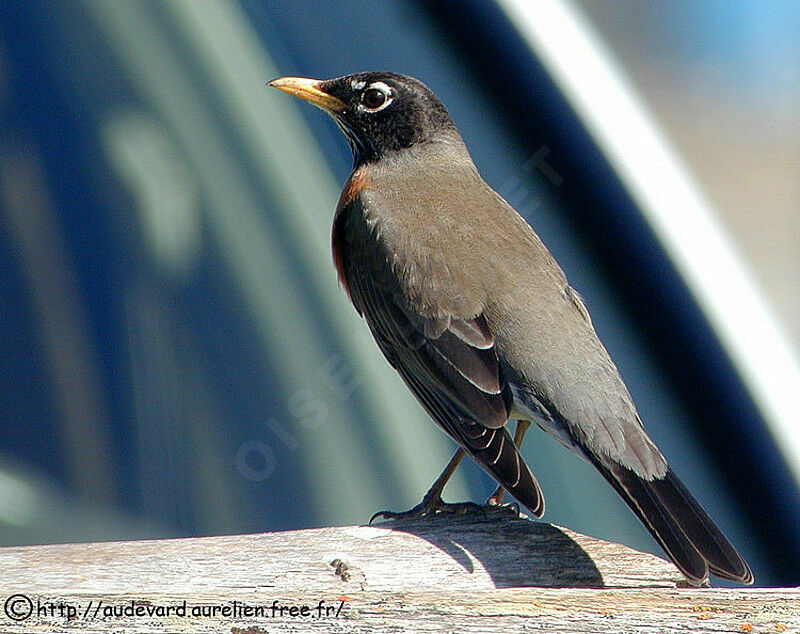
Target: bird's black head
[{"x": 379, "y": 112}]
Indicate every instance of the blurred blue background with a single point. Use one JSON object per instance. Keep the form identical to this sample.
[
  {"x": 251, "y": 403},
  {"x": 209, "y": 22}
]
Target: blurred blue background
[{"x": 176, "y": 356}]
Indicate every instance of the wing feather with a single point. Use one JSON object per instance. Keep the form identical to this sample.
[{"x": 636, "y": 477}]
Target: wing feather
[{"x": 453, "y": 371}]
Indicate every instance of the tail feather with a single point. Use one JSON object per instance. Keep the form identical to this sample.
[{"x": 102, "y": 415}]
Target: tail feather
[
  {"x": 662, "y": 525},
  {"x": 723, "y": 559},
  {"x": 678, "y": 523}
]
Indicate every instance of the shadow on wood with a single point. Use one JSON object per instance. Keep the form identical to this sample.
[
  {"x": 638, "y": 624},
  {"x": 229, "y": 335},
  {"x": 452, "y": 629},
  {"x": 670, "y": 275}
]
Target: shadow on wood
[
  {"x": 470, "y": 552},
  {"x": 460, "y": 574},
  {"x": 514, "y": 552}
]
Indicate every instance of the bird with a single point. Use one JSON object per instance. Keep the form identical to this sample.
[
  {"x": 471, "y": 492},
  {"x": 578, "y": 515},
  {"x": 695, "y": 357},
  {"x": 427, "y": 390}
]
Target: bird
[{"x": 470, "y": 308}]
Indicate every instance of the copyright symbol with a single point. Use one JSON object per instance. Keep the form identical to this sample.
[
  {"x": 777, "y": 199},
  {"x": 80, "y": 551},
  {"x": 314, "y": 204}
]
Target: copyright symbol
[{"x": 18, "y": 607}]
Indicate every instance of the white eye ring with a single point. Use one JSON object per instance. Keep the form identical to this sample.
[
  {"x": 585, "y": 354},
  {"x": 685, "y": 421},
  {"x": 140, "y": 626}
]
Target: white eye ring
[{"x": 380, "y": 87}]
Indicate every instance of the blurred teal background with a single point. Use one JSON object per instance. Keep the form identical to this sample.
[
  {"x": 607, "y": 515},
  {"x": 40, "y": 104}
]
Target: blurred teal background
[{"x": 177, "y": 358}]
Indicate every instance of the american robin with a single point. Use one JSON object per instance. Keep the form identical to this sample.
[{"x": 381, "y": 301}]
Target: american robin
[{"x": 469, "y": 306}]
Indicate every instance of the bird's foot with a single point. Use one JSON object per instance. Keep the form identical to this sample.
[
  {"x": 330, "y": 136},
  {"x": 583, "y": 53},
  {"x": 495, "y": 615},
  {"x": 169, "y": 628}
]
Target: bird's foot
[
  {"x": 510, "y": 507},
  {"x": 430, "y": 506},
  {"x": 496, "y": 502},
  {"x": 496, "y": 499}
]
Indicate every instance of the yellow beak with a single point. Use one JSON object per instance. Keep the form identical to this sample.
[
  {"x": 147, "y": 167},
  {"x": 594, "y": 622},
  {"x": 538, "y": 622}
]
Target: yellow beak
[{"x": 309, "y": 90}]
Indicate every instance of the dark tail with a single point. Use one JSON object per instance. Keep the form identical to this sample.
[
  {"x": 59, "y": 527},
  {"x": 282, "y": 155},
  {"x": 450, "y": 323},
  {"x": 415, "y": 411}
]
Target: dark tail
[{"x": 679, "y": 524}]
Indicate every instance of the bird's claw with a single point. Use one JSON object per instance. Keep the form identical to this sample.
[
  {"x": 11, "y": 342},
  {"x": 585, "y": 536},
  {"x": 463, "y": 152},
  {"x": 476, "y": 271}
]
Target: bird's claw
[
  {"x": 511, "y": 507},
  {"x": 495, "y": 501},
  {"x": 431, "y": 507}
]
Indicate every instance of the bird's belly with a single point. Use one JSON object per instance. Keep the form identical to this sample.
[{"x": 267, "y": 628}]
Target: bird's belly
[{"x": 527, "y": 407}]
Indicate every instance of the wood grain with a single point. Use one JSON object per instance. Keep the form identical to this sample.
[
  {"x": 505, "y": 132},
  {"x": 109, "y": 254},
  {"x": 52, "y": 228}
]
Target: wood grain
[{"x": 466, "y": 574}]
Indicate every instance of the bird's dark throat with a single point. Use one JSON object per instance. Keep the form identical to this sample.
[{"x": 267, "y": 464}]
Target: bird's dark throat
[{"x": 363, "y": 151}]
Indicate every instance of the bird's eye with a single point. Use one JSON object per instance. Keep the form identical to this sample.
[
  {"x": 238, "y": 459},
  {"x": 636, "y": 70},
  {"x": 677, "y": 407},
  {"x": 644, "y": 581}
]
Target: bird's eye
[{"x": 374, "y": 98}]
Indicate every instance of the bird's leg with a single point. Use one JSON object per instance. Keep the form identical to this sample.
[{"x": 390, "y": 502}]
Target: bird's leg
[
  {"x": 519, "y": 433},
  {"x": 432, "y": 502}
]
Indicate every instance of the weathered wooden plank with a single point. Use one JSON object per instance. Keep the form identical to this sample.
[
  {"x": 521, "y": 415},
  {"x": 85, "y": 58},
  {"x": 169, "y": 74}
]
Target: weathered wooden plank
[{"x": 466, "y": 574}]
